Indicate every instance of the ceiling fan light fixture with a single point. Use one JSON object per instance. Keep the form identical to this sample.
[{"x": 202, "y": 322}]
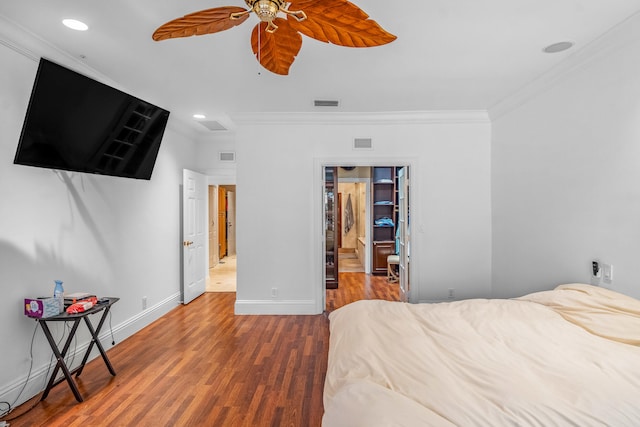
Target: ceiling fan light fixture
[
  {"x": 338, "y": 22},
  {"x": 266, "y": 9}
]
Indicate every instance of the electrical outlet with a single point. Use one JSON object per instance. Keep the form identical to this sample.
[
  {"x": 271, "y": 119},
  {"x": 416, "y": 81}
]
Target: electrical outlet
[
  {"x": 596, "y": 271},
  {"x": 144, "y": 303},
  {"x": 274, "y": 292},
  {"x": 451, "y": 293}
]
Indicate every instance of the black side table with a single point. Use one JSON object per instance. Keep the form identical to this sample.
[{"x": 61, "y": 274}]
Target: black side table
[{"x": 60, "y": 355}]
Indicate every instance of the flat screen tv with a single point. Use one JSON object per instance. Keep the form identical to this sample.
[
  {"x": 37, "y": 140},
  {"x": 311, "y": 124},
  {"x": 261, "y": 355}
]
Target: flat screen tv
[{"x": 77, "y": 124}]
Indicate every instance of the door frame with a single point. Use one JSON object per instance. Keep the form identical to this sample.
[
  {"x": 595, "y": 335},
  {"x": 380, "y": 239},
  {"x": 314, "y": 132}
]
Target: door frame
[
  {"x": 318, "y": 271},
  {"x": 212, "y": 202},
  {"x": 231, "y": 220},
  {"x": 221, "y": 198},
  {"x": 223, "y": 181}
]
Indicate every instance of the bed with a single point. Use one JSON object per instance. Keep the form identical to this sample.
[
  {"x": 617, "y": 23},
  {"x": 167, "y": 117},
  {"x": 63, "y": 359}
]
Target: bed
[{"x": 568, "y": 356}]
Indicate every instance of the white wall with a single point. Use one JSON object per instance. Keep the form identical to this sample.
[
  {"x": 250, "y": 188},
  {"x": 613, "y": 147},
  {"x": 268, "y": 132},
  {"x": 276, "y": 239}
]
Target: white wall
[
  {"x": 566, "y": 173},
  {"x": 209, "y": 148},
  {"x": 105, "y": 235},
  {"x": 279, "y": 202}
]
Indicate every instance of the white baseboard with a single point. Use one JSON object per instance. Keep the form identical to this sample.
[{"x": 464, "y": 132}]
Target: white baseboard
[
  {"x": 290, "y": 307},
  {"x": 144, "y": 318},
  {"x": 35, "y": 383}
]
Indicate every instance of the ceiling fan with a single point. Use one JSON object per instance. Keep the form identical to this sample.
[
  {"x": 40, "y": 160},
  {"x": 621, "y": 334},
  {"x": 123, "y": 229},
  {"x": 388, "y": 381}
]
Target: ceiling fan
[{"x": 275, "y": 40}]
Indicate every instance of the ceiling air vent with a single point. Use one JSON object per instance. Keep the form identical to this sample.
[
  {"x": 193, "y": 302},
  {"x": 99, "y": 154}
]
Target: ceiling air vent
[
  {"x": 362, "y": 144},
  {"x": 325, "y": 103},
  {"x": 212, "y": 125},
  {"x": 227, "y": 156}
]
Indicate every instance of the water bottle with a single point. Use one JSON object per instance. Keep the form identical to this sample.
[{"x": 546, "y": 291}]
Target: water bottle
[{"x": 58, "y": 293}]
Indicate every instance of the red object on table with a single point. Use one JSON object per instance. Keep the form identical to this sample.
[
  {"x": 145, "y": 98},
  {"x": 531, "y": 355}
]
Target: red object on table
[{"x": 82, "y": 305}]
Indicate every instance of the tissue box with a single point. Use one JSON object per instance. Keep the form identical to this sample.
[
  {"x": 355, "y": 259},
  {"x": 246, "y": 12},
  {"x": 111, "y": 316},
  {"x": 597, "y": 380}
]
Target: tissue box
[{"x": 41, "y": 307}]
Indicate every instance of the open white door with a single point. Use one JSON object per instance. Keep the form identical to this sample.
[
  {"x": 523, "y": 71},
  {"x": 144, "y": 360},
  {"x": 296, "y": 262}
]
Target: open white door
[
  {"x": 403, "y": 234},
  {"x": 194, "y": 235}
]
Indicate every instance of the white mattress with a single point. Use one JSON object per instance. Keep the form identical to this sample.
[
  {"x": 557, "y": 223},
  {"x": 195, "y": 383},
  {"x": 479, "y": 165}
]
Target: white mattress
[{"x": 564, "y": 357}]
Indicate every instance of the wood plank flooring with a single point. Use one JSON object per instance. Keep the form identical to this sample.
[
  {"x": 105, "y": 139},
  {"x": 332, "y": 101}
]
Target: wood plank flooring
[{"x": 200, "y": 365}]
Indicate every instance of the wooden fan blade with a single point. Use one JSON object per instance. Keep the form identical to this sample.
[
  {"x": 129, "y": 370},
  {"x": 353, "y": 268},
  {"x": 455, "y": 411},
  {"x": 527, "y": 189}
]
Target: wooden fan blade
[
  {"x": 276, "y": 51},
  {"x": 339, "y": 22},
  {"x": 199, "y": 23}
]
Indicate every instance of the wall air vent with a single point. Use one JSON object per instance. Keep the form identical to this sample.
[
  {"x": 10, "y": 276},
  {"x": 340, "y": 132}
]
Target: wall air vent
[
  {"x": 362, "y": 144},
  {"x": 325, "y": 103},
  {"x": 212, "y": 125},
  {"x": 227, "y": 156}
]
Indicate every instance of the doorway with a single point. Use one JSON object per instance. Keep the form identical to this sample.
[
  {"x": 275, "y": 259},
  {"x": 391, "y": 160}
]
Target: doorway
[
  {"x": 379, "y": 194},
  {"x": 222, "y": 239},
  {"x": 352, "y": 236}
]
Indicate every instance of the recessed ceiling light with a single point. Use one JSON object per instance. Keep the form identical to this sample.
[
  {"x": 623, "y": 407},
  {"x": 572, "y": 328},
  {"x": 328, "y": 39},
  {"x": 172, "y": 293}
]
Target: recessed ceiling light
[
  {"x": 75, "y": 24},
  {"x": 199, "y": 116},
  {"x": 558, "y": 47}
]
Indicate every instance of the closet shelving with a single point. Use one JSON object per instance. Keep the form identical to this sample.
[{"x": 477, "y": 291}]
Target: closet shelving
[
  {"x": 384, "y": 211},
  {"x": 331, "y": 227}
]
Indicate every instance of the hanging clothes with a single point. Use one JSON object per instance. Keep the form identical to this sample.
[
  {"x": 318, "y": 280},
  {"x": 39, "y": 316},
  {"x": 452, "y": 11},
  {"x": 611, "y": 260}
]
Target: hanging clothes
[{"x": 349, "y": 220}]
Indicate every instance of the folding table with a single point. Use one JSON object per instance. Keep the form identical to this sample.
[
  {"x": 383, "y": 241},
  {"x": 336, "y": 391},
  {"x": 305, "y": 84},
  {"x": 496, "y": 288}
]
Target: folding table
[{"x": 60, "y": 354}]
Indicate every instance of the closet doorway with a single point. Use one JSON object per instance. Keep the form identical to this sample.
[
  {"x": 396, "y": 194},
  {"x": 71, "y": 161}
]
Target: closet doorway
[
  {"x": 366, "y": 224},
  {"x": 353, "y": 214}
]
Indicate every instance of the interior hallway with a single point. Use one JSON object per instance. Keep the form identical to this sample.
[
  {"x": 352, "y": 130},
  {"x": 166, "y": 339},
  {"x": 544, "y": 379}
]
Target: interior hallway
[{"x": 222, "y": 277}]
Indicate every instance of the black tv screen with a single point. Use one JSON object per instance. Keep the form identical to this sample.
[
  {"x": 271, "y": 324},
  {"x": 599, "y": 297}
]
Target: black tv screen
[{"x": 75, "y": 123}]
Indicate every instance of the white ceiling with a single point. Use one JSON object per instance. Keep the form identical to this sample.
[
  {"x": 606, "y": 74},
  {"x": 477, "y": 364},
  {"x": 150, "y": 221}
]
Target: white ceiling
[{"x": 449, "y": 54}]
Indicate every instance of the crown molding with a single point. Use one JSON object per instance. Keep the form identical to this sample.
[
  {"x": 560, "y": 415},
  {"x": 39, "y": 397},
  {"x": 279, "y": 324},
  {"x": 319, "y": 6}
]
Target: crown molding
[
  {"x": 371, "y": 118},
  {"x": 618, "y": 37}
]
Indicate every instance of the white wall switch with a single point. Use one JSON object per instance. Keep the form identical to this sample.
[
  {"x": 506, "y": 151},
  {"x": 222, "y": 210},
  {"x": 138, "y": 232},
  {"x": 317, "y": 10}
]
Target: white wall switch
[{"x": 607, "y": 273}]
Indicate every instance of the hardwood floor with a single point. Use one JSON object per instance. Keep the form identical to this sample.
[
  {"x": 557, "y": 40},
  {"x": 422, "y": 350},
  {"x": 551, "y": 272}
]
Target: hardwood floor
[{"x": 200, "y": 365}]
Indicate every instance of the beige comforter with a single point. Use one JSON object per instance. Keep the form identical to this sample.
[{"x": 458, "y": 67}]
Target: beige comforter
[{"x": 564, "y": 357}]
